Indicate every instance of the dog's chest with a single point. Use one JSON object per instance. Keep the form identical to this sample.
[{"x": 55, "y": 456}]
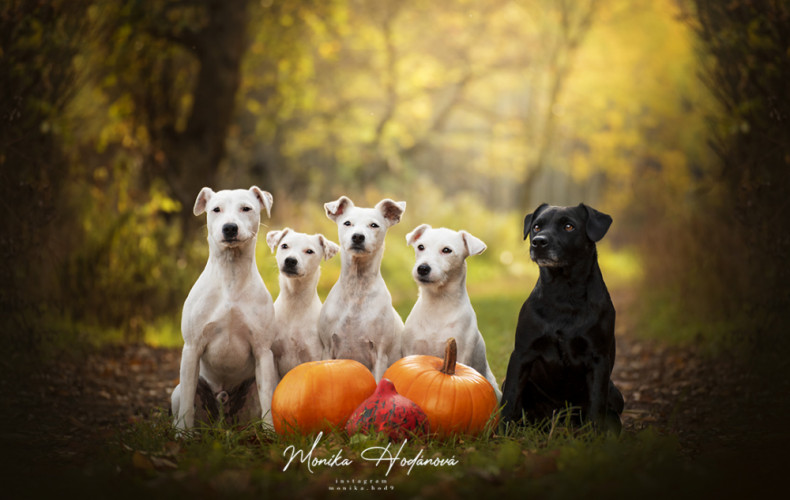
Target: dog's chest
[
  {"x": 230, "y": 325},
  {"x": 230, "y": 334},
  {"x": 563, "y": 348}
]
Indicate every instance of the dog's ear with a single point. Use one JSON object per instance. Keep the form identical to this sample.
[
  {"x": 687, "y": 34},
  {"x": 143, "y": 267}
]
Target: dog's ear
[
  {"x": 597, "y": 223},
  {"x": 202, "y": 200},
  {"x": 474, "y": 245},
  {"x": 330, "y": 247},
  {"x": 335, "y": 209},
  {"x": 273, "y": 238},
  {"x": 391, "y": 210},
  {"x": 530, "y": 217},
  {"x": 415, "y": 235},
  {"x": 265, "y": 198}
]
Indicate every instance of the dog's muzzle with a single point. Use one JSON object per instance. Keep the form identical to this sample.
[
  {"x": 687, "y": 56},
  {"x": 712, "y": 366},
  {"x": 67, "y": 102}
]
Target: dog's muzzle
[
  {"x": 423, "y": 271},
  {"x": 542, "y": 253},
  {"x": 230, "y": 232},
  {"x": 290, "y": 266},
  {"x": 357, "y": 242},
  {"x": 539, "y": 242}
]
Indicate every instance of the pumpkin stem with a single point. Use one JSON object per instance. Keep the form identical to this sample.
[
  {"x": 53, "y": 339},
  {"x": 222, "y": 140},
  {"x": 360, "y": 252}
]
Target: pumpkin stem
[{"x": 450, "y": 357}]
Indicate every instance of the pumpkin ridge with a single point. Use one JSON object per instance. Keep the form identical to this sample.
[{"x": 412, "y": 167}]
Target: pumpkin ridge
[
  {"x": 472, "y": 409},
  {"x": 451, "y": 405},
  {"x": 409, "y": 383}
]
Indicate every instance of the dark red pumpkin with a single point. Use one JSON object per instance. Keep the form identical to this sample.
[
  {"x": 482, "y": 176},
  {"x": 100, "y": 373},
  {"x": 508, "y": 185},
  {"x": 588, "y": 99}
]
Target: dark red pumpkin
[{"x": 388, "y": 412}]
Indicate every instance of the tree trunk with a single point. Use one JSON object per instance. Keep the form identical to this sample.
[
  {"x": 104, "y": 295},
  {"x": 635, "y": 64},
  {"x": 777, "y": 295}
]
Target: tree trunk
[{"x": 194, "y": 155}]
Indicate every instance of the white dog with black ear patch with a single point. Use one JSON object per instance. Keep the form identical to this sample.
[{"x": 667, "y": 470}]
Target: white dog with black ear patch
[
  {"x": 298, "y": 306},
  {"x": 358, "y": 321},
  {"x": 443, "y": 309},
  {"x": 228, "y": 316}
]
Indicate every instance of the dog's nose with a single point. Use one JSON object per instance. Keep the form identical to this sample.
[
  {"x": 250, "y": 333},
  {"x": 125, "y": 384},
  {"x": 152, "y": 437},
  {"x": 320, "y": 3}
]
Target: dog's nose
[
  {"x": 539, "y": 241},
  {"x": 230, "y": 231},
  {"x": 357, "y": 238},
  {"x": 423, "y": 269},
  {"x": 290, "y": 262}
]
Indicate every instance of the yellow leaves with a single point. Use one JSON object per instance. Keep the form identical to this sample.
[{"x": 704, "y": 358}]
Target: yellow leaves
[
  {"x": 329, "y": 49},
  {"x": 581, "y": 166},
  {"x": 674, "y": 164},
  {"x": 253, "y": 106}
]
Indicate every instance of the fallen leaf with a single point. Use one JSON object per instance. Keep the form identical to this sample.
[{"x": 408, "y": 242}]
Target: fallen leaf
[
  {"x": 163, "y": 463},
  {"x": 140, "y": 461}
]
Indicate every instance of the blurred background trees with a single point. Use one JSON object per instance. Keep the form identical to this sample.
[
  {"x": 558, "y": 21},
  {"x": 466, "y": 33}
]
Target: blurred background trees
[{"x": 115, "y": 114}]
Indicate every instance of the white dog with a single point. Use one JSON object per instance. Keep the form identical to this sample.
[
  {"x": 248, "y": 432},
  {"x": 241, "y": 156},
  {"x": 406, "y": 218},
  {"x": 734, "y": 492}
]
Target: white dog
[
  {"x": 358, "y": 321},
  {"x": 228, "y": 316},
  {"x": 443, "y": 309},
  {"x": 297, "y": 306}
]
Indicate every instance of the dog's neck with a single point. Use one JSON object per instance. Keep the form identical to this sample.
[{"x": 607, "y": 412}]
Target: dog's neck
[
  {"x": 299, "y": 290},
  {"x": 452, "y": 291},
  {"x": 572, "y": 280},
  {"x": 355, "y": 267},
  {"x": 234, "y": 264}
]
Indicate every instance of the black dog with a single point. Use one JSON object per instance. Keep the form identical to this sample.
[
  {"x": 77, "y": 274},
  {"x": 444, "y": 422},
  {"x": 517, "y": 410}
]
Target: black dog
[{"x": 565, "y": 347}]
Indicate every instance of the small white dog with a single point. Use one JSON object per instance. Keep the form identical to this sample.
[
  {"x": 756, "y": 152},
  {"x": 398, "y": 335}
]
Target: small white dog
[
  {"x": 298, "y": 306},
  {"x": 358, "y": 321},
  {"x": 228, "y": 316},
  {"x": 443, "y": 309}
]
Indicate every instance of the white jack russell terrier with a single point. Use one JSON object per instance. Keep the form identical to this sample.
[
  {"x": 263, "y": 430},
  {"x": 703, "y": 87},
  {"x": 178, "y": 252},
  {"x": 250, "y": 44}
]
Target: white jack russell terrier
[
  {"x": 298, "y": 306},
  {"x": 228, "y": 316},
  {"x": 357, "y": 320},
  {"x": 443, "y": 309}
]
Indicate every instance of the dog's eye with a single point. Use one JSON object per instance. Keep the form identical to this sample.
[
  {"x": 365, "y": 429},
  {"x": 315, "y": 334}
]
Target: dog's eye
[
  {"x": 536, "y": 228},
  {"x": 309, "y": 251},
  {"x": 569, "y": 227},
  {"x": 284, "y": 246},
  {"x": 446, "y": 250},
  {"x": 420, "y": 247},
  {"x": 374, "y": 225},
  {"x": 216, "y": 209},
  {"x": 246, "y": 209},
  {"x": 347, "y": 223}
]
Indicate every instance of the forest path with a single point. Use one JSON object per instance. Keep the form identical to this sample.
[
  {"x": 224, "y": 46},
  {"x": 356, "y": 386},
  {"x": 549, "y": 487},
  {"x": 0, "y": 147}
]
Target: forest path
[{"x": 59, "y": 414}]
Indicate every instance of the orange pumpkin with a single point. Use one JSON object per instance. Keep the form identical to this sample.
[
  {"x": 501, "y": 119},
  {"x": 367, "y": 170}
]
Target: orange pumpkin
[
  {"x": 456, "y": 398},
  {"x": 320, "y": 395}
]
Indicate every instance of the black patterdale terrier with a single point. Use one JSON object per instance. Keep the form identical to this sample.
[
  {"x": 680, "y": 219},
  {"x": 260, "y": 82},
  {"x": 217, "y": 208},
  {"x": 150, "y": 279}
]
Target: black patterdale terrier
[{"x": 565, "y": 348}]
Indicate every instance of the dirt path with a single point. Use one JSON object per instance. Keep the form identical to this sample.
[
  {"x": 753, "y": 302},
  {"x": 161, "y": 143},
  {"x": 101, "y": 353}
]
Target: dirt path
[
  {"x": 59, "y": 416},
  {"x": 83, "y": 399}
]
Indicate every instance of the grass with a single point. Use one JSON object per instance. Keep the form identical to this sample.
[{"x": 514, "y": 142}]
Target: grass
[{"x": 555, "y": 461}]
